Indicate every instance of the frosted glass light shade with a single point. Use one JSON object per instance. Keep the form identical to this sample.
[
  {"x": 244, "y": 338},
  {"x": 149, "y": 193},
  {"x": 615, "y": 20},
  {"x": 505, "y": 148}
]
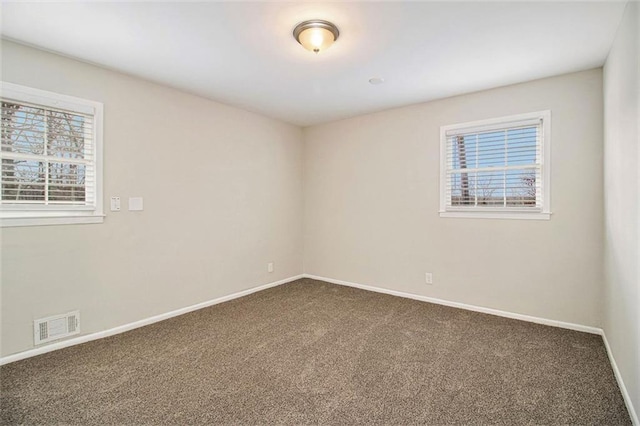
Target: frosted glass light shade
[{"x": 316, "y": 35}]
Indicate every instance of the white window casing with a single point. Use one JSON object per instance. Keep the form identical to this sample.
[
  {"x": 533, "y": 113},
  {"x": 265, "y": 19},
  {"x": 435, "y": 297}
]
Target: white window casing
[
  {"x": 498, "y": 168},
  {"x": 50, "y": 158}
]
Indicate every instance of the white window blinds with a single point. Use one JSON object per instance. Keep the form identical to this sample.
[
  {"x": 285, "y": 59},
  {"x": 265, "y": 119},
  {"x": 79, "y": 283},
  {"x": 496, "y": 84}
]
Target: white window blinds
[
  {"x": 496, "y": 165},
  {"x": 47, "y": 156}
]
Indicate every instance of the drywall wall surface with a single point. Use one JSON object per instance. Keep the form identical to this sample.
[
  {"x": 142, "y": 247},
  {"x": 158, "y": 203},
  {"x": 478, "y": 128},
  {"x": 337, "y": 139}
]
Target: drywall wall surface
[
  {"x": 222, "y": 191},
  {"x": 372, "y": 200},
  {"x": 622, "y": 200}
]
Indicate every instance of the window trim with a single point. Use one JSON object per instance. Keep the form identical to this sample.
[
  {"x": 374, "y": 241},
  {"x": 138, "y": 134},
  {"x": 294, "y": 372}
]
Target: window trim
[
  {"x": 39, "y": 215},
  {"x": 500, "y": 212}
]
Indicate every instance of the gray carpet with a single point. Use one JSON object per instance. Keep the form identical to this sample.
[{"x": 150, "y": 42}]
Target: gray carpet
[{"x": 313, "y": 352}]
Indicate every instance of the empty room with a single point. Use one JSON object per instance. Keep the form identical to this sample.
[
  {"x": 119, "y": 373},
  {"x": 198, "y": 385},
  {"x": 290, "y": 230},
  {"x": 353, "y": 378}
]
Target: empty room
[{"x": 402, "y": 212}]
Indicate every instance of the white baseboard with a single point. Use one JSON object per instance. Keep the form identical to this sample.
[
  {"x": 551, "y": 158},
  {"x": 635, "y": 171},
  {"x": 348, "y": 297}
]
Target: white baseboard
[
  {"x": 491, "y": 311},
  {"x": 141, "y": 323},
  {"x": 623, "y": 388}
]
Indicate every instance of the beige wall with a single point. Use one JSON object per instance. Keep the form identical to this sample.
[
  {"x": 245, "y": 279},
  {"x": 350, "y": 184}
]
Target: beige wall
[
  {"x": 372, "y": 198},
  {"x": 622, "y": 200},
  {"x": 222, "y": 194}
]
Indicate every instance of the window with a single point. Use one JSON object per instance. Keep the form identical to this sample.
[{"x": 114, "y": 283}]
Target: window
[
  {"x": 496, "y": 168},
  {"x": 50, "y": 153}
]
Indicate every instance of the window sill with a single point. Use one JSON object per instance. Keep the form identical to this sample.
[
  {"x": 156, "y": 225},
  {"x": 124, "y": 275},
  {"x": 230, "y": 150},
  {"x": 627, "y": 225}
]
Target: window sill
[
  {"x": 8, "y": 222},
  {"x": 498, "y": 215}
]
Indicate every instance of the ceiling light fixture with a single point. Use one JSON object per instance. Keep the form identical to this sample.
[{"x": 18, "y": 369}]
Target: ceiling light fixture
[{"x": 316, "y": 35}]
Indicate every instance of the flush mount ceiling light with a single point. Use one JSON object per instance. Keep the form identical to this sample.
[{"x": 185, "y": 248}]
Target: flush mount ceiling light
[{"x": 316, "y": 35}]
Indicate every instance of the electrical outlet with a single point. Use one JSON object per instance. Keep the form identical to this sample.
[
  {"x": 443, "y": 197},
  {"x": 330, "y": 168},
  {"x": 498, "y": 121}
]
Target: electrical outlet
[
  {"x": 429, "y": 278},
  {"x": 270, "y": 267}
]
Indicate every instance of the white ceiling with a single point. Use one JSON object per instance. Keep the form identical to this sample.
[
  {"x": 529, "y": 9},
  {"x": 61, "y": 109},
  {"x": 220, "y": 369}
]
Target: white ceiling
[{"x": 243, "y": 54}]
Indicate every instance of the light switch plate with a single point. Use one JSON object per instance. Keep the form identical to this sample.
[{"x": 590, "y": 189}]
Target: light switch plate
[
  {"x": 135, "y": 204},
  {"x": 115, "y": 204}
]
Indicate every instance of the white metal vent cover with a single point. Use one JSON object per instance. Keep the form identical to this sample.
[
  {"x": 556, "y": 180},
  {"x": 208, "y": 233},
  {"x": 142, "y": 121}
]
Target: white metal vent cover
[{"x": 56, "y": 327}]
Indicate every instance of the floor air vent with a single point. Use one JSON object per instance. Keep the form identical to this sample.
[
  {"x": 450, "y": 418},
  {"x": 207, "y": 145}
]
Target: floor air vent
[{"x": 56, "y": 327}]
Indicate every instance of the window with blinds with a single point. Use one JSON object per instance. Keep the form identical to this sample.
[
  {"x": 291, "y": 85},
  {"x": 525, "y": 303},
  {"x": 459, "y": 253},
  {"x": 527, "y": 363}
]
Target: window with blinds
[
  {"x": 496, "y": 168},
  {"x": 49, "y": 158}
]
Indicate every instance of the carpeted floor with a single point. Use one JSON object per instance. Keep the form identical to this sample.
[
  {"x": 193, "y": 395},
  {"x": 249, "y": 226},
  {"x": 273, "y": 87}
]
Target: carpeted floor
[{"x": 313, "y": 352}]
